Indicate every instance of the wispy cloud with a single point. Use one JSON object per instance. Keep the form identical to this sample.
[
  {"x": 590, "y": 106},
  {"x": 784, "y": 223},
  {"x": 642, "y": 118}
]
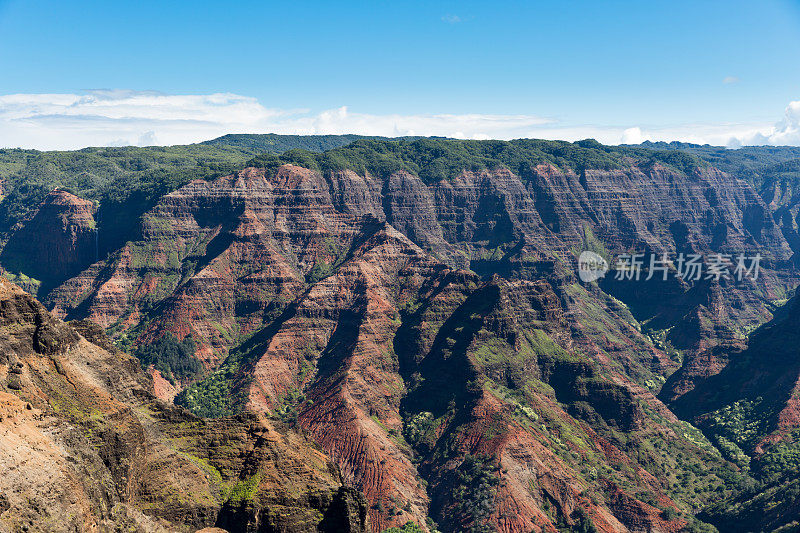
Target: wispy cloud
[
  {"x": 728, "y": 80},
  {"x": 452, "y": 19},
  {"x": 121, "y": 117},
  {"x": 66, "y": 121}
]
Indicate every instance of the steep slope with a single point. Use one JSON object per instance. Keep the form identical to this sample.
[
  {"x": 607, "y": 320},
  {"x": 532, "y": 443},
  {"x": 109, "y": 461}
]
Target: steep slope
[
  {"x": 493, "y": 221},
  {"x": 332, "y": 292},
  {"x": 86, "y": 447},
  {"x": 123, "y": 183},
  {"x": 766, "y": 371},
  {"x": 412, "y": 376},
  {"x": 751, "y": 409},
  {"x": 543, "y": 419},
  {"x": 56, "y": 244},
  {"x": 526, "y": 208},
  {"x": 218, "y": 260}
]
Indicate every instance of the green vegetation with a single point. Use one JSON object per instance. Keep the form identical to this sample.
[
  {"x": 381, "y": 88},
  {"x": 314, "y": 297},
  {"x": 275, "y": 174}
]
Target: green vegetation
[
  {"x": 408, "y": 527},
  {"x": 215, "y": 395},
  {"x": 746, "y": 160},
  {"x": 420, "y": 430},
  {"x": 274, "y": 143},
  {"x": 321, "y": 269},
  {"x": 245, "y": 489},
  {"x": 128, "y": 181},
  {"x": 772, "y": 500},
  {"x": 173, "y": 358},
  {"x": 781, "y": 461},
  {"x": 474, "y": 492},
  {"x": 211, "y": 397},
  {"x": 435, "y": 159},
  {"x": 27, "y": 283},
  {"x": 288, "y": 411},
  {"x": 125, "y": 181},
  {"x": 581, "y": 523},
  {"x": 741, "y": 423}
]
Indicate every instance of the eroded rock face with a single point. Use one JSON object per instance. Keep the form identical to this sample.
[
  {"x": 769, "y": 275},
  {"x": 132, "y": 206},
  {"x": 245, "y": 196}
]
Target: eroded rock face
[
  {"x": 85, "y": 446},
  {"x": 219, "y": 259},
  {"x": 407, "y": 368},
  {"x": 750, "y": 407},
  {"x": 56, "y": 244},
  {"x": 494, "y": 397},
  {"x": 766, "y": 371}
]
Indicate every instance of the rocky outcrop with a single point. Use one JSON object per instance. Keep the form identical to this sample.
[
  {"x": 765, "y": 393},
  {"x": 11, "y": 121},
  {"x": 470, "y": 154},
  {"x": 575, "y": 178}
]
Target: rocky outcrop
[
  {"x": 765, "y": 371},
  {"x": 85, "y": 446},
  {"x": 218, "y": 260},
  {"x": 55, "y": 244},
  {"x": 751, "y": 409},
  {"x": 334, "y": 345}
]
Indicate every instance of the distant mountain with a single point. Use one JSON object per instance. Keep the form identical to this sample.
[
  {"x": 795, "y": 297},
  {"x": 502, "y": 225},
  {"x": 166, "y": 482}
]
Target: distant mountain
[{"x": 277, "y": 144}]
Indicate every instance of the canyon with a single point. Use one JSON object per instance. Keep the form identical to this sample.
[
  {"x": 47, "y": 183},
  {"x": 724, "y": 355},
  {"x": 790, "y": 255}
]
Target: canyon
[{"x": 388, "y": 333}]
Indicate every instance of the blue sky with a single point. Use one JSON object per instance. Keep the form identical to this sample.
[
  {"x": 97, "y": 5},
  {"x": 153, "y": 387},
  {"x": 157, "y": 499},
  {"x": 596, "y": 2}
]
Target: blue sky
[{"x": 705, "y": 71}]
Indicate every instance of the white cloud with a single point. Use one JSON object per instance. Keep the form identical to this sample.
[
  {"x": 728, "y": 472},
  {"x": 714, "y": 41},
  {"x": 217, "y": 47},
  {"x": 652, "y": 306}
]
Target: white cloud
[
  {"x": 784, "y": 133},
  {"x": 118, "y": 118},
  {"x": 633, "y": 136},
  {"x": 728, "y": 134},
  {"x": 67, "y": 121},
  {"x": 787, "y": 131},
  {"x": 730, "y": 79},
  {"x": 452, "y": 19}
]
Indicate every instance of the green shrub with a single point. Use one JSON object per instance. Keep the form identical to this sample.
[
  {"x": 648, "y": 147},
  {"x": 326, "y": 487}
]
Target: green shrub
[
  {"x": 435, "y": 159},
  {"x": 408, "y": 527},
  {"x": 173, "y": 358},
  {"x": 475, "y": 490}
]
